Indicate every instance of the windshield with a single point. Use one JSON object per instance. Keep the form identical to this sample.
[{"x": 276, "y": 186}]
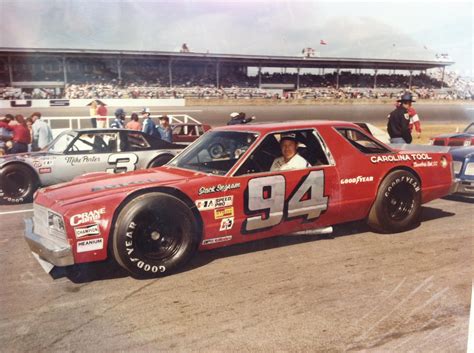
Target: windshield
[
  {"x": 470, "y": 129},
  {"x": 60, "y": 143},
  {"x": 215, "y": 152}
]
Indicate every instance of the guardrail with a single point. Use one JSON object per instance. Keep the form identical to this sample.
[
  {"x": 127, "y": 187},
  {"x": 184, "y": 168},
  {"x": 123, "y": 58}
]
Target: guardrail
[{"x": 61, "y": 123}]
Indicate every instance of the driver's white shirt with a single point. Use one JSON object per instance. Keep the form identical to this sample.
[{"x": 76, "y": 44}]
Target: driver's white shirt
[{"x": 296, "y": 162}]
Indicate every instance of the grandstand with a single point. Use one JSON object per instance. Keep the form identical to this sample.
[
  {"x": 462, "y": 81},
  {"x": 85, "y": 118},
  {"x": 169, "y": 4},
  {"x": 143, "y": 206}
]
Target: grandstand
[{"x": 68, "y": 73}]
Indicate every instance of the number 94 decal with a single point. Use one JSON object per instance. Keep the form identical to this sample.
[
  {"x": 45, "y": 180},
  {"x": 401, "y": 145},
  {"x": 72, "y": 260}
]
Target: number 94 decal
[
  {"x": 267, "y": 195},
  {"x": 123, "y": 162}
]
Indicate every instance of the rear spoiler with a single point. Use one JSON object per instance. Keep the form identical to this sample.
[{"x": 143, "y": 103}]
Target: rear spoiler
[{"x": 419, "y": 148}]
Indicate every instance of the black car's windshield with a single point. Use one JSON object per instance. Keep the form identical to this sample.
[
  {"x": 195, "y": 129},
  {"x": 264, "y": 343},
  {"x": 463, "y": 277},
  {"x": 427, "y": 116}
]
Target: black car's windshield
[
  {"x": 215, "y": 152},
  {"x": 60, "y": 143},
  {"x": 469, "y": 129}
]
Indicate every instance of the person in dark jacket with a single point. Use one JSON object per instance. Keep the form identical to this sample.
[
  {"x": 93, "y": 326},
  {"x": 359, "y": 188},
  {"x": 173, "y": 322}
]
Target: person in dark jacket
[
  {"x": 398, "y": 125},
  {"x": 118, "y": 123},
  {"x": 239, "y": 118}
]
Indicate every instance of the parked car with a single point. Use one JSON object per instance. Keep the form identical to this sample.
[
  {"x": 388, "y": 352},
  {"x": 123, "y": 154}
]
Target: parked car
[
  {"x": 188, "y": 132},
  {"x": 465, "y": 138},
  {"x": 463, "y": 161},
  {"x": 222, "y": 192},
  {"x": 75, "y": 152}
]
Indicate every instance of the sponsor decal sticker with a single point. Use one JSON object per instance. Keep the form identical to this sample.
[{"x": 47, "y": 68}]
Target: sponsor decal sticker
[
  {"x": 358, "y": 179},
  {"x": 44, "y": 170},
  {"x": 72, "y": 160},
  {"x": 86, "y": 217},
  {"x": 408, "y": 157},
  {"x": 216, "y": 240},
  {"x": 425, "y": 164},
  {"x": 93, "y": 229},
  {"x": 227, "y": 223},
  {"x": 224, "y": 213},
  {"x": 90, "y": 245},
  {"x": 218, "y": 188},
  {"x": 210, "y": 204}
]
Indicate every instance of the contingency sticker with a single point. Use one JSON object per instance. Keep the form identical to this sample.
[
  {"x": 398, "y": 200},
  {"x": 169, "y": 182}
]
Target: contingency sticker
[
  {"x": 90, "y": 245},
  {"x": 227, "y": 223},
  {"x": 210, "y": 204},
  {"x": 216, "y": 240},
  {"x": 93, "y": 229},
  {"x": 224, "y": 213}
]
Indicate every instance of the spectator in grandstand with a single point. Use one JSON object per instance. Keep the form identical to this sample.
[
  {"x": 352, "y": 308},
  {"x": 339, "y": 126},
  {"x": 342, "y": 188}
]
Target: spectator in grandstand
[
  {"x": 93, "y": 113},
  {"x": 398, "y": 125},
  {"x": 42, "y": 134},
  {"x": 101, "y": 115},
  {"x": 165, "y": 129},
  {"x": 184, "y": 48},
  {"x": 119, "y": 120},
  {"x": 149, "y": 126},
  {"x": 134, "y": 124},
  {"x": 21, "y": 135},
  {"x": 239, "y": 118}
]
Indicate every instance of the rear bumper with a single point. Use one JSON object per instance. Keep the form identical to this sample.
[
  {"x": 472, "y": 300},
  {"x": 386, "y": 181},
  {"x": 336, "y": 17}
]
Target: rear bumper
[{"x": 58, "y": 255}]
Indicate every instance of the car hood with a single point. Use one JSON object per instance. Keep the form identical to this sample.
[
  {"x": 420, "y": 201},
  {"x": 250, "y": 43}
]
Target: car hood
[
  {"x": 462, "y": 152},
  {"x": 94, "y": 185},
  {"x": 23, "y": 156},
  {"x": 454, "y": 135}
]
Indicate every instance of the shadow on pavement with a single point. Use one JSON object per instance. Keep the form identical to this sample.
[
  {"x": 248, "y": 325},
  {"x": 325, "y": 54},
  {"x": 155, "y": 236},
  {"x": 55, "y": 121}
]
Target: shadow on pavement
[{"x": 460, "y": 198}]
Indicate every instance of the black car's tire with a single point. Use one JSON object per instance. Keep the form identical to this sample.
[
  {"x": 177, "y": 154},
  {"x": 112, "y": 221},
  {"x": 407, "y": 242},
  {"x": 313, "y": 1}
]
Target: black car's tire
[
  {"x": 155, "y": 234},
  {"x": 397, "y": 206},
  {"x": 160, "y": 160},
  {"x": 18, "y": 183}
]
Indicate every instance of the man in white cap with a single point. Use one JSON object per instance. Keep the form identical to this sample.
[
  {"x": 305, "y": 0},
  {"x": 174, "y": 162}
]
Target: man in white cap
[
  {"x": 290, "y": 159},
  {"x": 149, "y": 126}
]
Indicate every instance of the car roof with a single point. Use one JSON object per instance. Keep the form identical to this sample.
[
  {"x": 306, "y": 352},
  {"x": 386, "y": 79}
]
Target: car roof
[
  {"x": 291, "y": 124},
  {"x": 95, "y": 130}
]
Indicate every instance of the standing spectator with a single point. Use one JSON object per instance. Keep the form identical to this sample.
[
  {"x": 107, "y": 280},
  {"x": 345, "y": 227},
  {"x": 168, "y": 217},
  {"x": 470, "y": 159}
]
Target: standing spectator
[
  {"x": 29, "y": 124},
  {"x": 101, "y": 115},
  {"x": 5, "y": 135},
  {"x": 21, "y": 134},
  {"x": 399, "y": 121},
  {"x": 134, "y": 124},
  {"x": 149, "y": 126},
  {"x": 93, "y": 113},
  {"x": 119, "y": 119},
  {"x": 42, "y": 134},
  {"x": 165, "y": 129},
  {"x": 414, "y": 121}
]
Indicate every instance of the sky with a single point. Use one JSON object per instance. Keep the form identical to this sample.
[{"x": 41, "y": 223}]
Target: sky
[{"x": 355, "y": 29}]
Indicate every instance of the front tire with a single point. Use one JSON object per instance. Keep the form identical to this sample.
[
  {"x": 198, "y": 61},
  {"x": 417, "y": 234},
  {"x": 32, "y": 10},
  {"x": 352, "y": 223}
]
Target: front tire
[
  {"x": 18, "y": 183},
  {"x": 397, "y": 206},
  {"x": 155, "y": 234}
]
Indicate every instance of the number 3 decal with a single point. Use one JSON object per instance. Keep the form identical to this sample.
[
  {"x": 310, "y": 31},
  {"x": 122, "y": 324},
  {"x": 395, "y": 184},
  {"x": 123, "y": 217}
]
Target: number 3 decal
[
  {"x": 267, "y": 195},
  {"x": 124, "y": 162}
]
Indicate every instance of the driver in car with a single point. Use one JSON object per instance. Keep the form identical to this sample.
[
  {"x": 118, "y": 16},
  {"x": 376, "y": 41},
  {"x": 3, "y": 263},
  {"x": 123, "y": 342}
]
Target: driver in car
[{"x": 290, "y": 159}]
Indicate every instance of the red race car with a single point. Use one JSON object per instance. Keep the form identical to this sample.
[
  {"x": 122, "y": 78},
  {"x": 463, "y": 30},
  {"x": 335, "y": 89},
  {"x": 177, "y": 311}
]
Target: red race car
[
  {"x": 188, "y": 132},
  {"x": 231, "y": 186}
]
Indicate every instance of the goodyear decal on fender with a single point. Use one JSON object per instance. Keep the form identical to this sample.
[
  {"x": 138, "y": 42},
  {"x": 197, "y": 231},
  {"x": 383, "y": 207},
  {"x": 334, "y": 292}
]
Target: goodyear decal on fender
[
  {"x": 216, "y": 240},
  {"x": 210, "y": 204},
  {"x": 224, "y": 213}
]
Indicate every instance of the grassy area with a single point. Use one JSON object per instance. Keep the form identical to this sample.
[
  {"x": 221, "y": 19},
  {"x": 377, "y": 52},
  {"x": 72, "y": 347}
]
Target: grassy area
[{"x": 430, "y": 130}]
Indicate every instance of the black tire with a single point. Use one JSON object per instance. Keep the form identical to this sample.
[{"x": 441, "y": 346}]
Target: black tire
[
  {"x": 397, "y": 206},
  {"x": 160, "y": 160},
  {"x": 18, "y": 183},
  {"x": 155, "y": 234}
]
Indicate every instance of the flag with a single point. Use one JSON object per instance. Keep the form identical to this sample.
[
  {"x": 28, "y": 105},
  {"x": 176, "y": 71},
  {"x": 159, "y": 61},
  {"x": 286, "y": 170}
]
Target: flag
[{"x": 322, "y": 42}]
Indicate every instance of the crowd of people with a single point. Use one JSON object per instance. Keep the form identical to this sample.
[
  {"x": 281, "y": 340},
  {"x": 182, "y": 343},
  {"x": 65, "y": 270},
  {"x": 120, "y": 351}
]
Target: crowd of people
[{"x": 19, "y": 134}]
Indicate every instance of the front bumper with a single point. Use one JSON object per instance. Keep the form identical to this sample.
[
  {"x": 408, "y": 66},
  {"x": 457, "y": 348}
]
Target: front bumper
[
  {"x": 465, "y": 187},
  {"x": 47, "y": 249}
]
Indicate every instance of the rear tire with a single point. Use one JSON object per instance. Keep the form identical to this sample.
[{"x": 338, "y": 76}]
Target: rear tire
[
  {"x": 18, "y": 183},
  {"x": 155, "y": 234},
  {"x": 397, "y": 206}
]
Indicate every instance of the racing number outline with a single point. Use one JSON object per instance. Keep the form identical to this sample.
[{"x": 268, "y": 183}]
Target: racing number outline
[
  {"x": 267, "y": 195},
  {"x": 127, "y": 161}
]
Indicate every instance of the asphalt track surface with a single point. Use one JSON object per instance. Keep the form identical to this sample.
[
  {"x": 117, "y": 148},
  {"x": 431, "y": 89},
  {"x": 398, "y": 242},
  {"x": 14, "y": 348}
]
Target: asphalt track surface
[{"x": 353, "y": 290}]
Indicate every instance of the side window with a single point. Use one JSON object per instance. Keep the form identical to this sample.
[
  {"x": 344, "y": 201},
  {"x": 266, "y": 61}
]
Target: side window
[
  {"x": 134, "y": 142},
  {"x": 269, "y": 150},
  {"x": 362, "y": 142},
  {"x": 95, "y": 143}
]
